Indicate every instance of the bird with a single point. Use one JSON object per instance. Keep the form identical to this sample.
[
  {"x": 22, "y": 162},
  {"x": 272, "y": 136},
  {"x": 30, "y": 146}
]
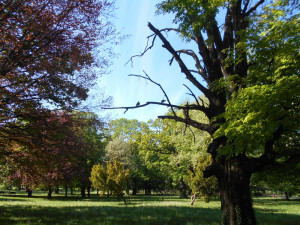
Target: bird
[
  {"x": 138, "y": 103},
  {"x": 162, "y": 101}
]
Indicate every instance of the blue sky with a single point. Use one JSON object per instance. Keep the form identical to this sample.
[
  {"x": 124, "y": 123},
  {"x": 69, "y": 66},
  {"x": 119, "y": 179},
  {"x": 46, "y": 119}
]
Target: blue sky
[{"x": 132, "y": 17}]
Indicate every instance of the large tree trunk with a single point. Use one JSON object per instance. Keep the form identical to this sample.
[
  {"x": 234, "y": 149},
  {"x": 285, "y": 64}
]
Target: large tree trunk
[{"x": 236, "y": 201}]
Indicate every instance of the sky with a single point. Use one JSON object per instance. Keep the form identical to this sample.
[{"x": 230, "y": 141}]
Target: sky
[{"x": 132, "y": 17}]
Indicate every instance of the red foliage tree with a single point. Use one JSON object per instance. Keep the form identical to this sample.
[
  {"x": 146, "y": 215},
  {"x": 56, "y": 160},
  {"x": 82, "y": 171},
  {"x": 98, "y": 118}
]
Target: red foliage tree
[
  {"x": 46, "y": 55},
  {"x": 56, "y": 154}
]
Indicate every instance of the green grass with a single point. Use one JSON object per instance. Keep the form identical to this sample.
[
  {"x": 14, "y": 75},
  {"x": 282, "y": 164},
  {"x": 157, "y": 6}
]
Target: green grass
[{"x": 139, "y": 210}]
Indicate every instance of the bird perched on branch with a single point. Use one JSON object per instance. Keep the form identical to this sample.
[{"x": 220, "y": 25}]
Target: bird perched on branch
[
  {"x": 186, "y": 111},
  {"x": 162, "y": 101},
  {"x": 138, "y": 103}
]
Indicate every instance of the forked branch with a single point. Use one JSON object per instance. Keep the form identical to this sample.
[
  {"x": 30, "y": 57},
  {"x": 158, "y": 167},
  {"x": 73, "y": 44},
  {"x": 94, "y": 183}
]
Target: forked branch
[
  {"x": 146, "y": 77},
  {"x": 191, "y": 122}
]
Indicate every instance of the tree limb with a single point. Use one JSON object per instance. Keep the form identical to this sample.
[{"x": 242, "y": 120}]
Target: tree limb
[
  {"x": 161, "y": 88},
  {"x": 193, "y": 123},
  {"x": 253, "y": 8},
  {"x": 191, "y": 53},
  {"x": 181, "y": 64}
]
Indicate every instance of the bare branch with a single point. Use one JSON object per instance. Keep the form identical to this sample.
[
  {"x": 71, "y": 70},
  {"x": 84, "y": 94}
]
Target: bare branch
[
  {"x": 193, "y": 123},
  {"x": 183, "y": 67},
  {"x": 191, "y": 53},
  {"x": 161, "y": 88},
  {"x": 192, "y": 94},
  {"x": 147, "y": 48},
  {"x": 253, "y": 8},
  {"x": 191, "y": 107},
  {"x": 167, "y": 30},
  {"x": 245, "y": 6}
]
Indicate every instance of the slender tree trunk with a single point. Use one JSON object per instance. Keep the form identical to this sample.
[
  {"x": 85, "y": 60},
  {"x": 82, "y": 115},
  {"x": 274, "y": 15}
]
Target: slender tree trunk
[
  {"x": 29, "y": 192},
  {"x": 134, "y": 186},
  {"x": 236, "y": 201},
  {"x": 97, "y": 191},
  {"x": 286, "y": 196},
  {"x": 72, "y": 193},
  {"x": 66, "y": 190},
  {"x": 182, "y": 188},
  {"x": 127, "y": 189},
  {"x": 89, "y": 191},
  {"x": 83, "y": 191},
  {"x": 57, "y": 190},
  {"x": 148, "y": 187},
  {"x": 134, "y": 189},
  {"x": 49, "y": 192}
]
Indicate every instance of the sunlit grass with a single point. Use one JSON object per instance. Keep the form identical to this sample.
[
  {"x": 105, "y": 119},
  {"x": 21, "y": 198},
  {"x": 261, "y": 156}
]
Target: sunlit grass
[{"x": 139, "y": 210}]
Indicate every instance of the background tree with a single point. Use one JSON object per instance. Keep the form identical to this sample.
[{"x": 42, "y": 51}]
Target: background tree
[
  {"x": 112, "y": 178},
  {"x": 59, "y": 153},
  {"x": 247, "y": 54},
  {"x": 183, "y": 145},
  {"x": 99, "y": 178},
  {"x": 46, "y": 57},
  {"x": 123, "y": 147},
  {"x": 206, "y": 187}
]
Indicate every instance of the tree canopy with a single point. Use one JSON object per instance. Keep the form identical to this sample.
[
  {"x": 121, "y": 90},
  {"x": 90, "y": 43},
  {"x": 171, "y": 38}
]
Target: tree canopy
[{"x": 46, "y": 56}]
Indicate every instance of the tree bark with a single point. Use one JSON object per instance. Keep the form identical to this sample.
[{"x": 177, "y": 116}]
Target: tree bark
[
  {"x": 182, "y": 188},
  {"x": 127, "y": 189},
  {"x": 148, "y": 188},
  {"x": 83, "y": 191},
  {"x": 134, "y": 186},
  {"x": 66, "y": 190},
  {"x": 286, "y": 196},
  {"x": 57, "y": 190},
  {"x": 29, "y": 192},
  {"x": 134, "y": 189},
  {"x": 236, "y": 200},
  {"x": 89, "y": 191},
  {"x": 49, "y": 196}
]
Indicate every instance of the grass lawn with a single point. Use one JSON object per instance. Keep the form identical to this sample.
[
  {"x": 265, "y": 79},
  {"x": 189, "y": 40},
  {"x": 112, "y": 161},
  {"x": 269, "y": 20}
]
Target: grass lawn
[{"x": 156, "y": 210}]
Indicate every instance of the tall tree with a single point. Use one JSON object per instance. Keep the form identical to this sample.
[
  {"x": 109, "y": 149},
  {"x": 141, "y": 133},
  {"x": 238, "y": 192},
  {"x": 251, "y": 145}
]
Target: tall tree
[
  {"x": 46, "y": 55},
  {"x": 247, "y": 54}
]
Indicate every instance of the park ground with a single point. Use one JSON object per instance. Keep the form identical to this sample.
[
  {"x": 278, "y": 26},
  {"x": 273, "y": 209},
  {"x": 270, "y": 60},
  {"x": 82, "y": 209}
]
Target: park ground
[{"x": 157, "y": 209}]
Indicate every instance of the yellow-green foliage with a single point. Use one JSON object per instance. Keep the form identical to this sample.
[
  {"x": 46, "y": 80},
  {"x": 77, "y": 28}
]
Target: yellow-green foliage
[
  {"x": 117, "y": 177},
  {"x": 114, "y": 177},
  {"x": 99, "y": 177},
  {"x": 206, "y": 187}
]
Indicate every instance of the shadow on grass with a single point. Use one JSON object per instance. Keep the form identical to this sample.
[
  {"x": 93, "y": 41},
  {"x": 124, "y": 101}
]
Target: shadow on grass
[
  {"x": 14, "y": 198},
  {"x": 134, "y": 213},
  {"x": 270, "y": 201},
  {"x": 109, "y": 215}
]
